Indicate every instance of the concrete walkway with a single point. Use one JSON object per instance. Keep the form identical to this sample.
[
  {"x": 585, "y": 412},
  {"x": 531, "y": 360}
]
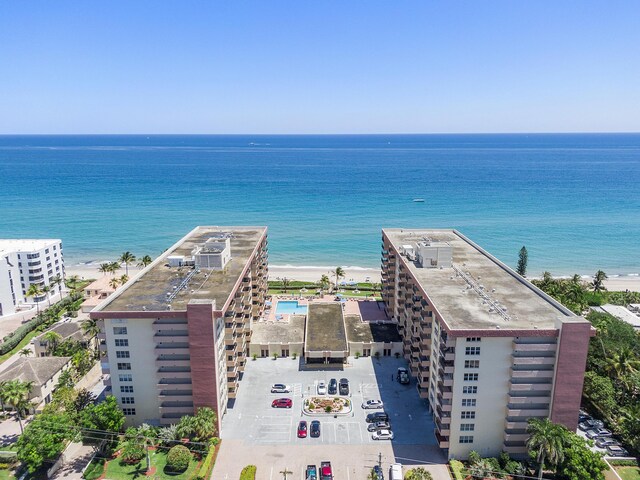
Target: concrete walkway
[{"x": 77, "y": 456}]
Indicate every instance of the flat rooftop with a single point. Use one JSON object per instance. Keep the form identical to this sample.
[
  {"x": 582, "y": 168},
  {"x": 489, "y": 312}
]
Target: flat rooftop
[
  {"x": 26, "y": 244},
  {"x": 622, "y": 314},
  {"x": 325, "y": 328},
  {"x": 464, "y": 307},
  {"x": 263, "y": 333},
  {"x": 148, "y": 289},
  {"x": 370, "y": 332}
]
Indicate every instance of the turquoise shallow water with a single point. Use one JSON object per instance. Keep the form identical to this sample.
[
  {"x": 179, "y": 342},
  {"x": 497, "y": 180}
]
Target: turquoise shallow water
[{"x": 573, "y": 200}]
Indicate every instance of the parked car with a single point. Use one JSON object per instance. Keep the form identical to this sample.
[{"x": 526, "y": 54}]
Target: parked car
[
  {"x": 377, "y": 417},
  {"x": 280, "y": 388},
  {"x": 311, "y": 473},
  {"x": 616, "y": 451},
  {"x": 382, "y": 435},
  {"x": 604, "y": 442},
  {"x": 590, "y": 424},
  {"x": 314, "y": 430},
  {"x": 326, "y": 473},
  {"x": 378, "y": 426},
  {"x": 377, "y": 472},
  {"x": 282, "y": 403},
  {"x": 333, "y": 386},
  {"x": 403, "y": 375},
  {"x": 344, "y": 386},
  {"x": 302, "y": 429},
  {"x": 322, "y": 388},
  {"x": 598, "y": 432},
  {"x": 371, "y": 404},
  {"x": 395, "y": 471},
  {"x": 583, "y": 416}
]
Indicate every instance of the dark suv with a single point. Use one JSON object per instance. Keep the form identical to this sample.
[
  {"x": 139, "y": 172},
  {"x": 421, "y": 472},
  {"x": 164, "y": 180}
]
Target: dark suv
[
  {"x": 333, "y": 386},
  {"x": 377, "y": 417},
  {"x": 344, "y": 386}
]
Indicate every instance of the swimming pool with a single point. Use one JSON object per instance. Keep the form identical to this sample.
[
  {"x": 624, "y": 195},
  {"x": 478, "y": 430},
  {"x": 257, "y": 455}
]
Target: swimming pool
[{"x": 291, "y": 308}]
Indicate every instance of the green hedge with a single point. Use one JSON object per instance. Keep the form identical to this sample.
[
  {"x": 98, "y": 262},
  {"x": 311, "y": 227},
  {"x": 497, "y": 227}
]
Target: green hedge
[
  {"x": 46, "y": 317},
  {"x": 457, "y": 468},
  {"x": 204, "y": 472},
  {"x": 248, "y": 473}
]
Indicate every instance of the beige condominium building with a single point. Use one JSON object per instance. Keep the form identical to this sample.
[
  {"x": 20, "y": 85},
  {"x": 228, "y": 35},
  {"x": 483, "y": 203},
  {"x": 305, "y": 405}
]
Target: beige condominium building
[
  {"x": 176, "y": 335},
  {"x": 489, "y": 350}
]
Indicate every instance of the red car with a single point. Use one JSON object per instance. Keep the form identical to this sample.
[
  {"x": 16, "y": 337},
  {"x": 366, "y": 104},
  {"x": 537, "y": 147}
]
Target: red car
[
  {"x": 302, "y": 429},
  {"x": 282, "y": 403}
]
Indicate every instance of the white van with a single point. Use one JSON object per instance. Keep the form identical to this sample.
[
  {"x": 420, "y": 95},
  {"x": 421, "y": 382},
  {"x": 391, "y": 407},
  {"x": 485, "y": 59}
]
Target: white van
[{"x": 395, "y": 471}]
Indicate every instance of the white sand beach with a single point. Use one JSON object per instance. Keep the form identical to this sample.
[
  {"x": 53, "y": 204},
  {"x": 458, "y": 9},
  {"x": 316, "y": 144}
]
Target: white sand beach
[{"x": 356, "y": 274}]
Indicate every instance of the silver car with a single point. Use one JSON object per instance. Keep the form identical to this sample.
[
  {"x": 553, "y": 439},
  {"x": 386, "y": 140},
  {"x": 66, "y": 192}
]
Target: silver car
[
  {"x": 280, "y": 388},
  {"x": 382, "y": 435},
  {"x": 322, "y": 388},
  {"x": 378, "y": 426},
  {"x": 372, "y": 404}
]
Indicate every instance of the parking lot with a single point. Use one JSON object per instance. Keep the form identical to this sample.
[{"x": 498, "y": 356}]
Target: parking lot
[{"x": 252, "y": 426}]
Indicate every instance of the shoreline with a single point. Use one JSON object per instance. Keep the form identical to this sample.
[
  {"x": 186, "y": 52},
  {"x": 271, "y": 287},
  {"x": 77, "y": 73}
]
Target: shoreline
[{"x": 311, "y": 273}]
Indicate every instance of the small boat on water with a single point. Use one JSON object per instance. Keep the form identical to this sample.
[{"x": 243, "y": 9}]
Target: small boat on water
[{"x": 418, "y": 200}]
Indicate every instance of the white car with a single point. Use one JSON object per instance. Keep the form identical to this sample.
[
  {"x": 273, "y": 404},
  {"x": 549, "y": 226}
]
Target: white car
[
  {"x": 382, "y": 435},
  {"x": 322, "y": 388},
  {"x": 369, "y": 404},
  {"x": 280, "y": 388}
]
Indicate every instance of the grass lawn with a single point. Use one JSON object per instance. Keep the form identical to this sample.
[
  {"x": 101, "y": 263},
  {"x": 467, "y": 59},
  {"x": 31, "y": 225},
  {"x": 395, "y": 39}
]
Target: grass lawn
[
  {"x": 6, "y": 475},
  {"x": 118, "y": 471},
  {"x": 25, "y": 341},
  {"x": 628, "y": 473}
]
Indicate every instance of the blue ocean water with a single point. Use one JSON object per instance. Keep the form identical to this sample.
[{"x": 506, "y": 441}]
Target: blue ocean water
[{"x": 573, "y": 200}]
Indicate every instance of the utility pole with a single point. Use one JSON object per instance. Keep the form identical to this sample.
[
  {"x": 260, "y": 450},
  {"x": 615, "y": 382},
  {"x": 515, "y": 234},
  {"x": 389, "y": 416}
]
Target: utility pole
[
  {"x": 285, "y": 472},
  {"x": 380, "y": 459}
]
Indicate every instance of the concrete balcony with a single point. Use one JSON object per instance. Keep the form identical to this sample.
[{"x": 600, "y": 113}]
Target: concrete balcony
[
  {"x": 515, "y": 425},
  {"x": 531, "y": 387},
  {"x": 527, "y": 413},
  {"x": 170, "y": 362},
  {"x": 172, "y": 384},
  {"x": 162, "y": 371},
  {"x": 107, "y": 381},
  {"x": 514, "y": 449},
  {"x": 516, "y": 437},
  {"x": 525, "y": 400},
  {"x": 184, "y": 410},
  {"x": 531, "y": 374},
  {"x": 534, "y": 361},
  {"x": 443, "y": 440},
  {"x": 172, "y": 349},
  {"x": 102, "y": 347},
  {"x": 533, "y": 347},
  {"x": 102, "y": 336},
  {"x": 181, "y": 395}
]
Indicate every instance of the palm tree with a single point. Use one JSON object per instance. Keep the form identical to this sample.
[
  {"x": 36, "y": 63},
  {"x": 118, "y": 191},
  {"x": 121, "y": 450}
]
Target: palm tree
[
  {"x": 598, "y": 281},
  {"x": 91, "y": 329},
  {"x": 127, "y": 258},
  {"x": 285, "y": 284},
  {"x": 25, "y": 352},
  {"x": 74, "y": 279},
  {"x": 480, "y": 470},
  {"x": 144, "y": 261},
  {"x": 146, "y": 434},
  {"x": 124, "y": 279},
  {"x": 324, "y": 282},
  {"x": 546, "y": 441},
  {"x": 114, "y": 267},
  {"x": 114, "y": 282},
  {"x": 621, "y": 364},
  {"x": 16, "y": 393},
  {"x": 46, "y": 289},
  {"x": 52, "y": 338},
  {"x": 57, "y": 282},
  {"x": 35, "y": 291},
  {"x": 105, "y": 268},
  {"x": 339, "y": 272}
]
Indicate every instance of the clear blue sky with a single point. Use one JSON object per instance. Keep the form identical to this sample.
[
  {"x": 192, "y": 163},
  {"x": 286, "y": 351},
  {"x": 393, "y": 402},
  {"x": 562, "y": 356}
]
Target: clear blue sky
[{"x": 319, "y": 66}]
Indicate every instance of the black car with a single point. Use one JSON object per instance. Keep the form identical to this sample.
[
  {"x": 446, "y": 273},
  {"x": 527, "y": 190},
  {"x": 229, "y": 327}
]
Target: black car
[
  {"x": 314, "y": 429},
  {"x": 333, "y": 386},
  {"x": 377, "y": 417},
  {"x": 344, "y": 386},
  {"x": 377, "y": 473}
]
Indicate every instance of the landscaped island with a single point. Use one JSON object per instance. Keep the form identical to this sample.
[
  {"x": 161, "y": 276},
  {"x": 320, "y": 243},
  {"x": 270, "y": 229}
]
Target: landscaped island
[{"x": 327, "y": 405}]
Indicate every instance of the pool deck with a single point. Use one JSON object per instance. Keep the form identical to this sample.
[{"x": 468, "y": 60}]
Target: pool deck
[{"x": 368, "y": 310}]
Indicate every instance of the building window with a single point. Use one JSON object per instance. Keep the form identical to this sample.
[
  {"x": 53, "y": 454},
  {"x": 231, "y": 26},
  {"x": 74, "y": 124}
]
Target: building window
[
  {"x": 466, "y": 438},
  {"x": 122, "y": 342},
  {"x": 466, "y": 415},
  {"x": 119, "y": 330},
  {"x": 124, "y": 366},
  {"x": 470, "y": 377},
  {"x": 126, "y": 389},
  {"x": 472, "y": 350},
  {"x": 122, "y": 354},
  {"x": 472, "y": 389},
  {"x": 467, "y": 427},
  {"x": 472, "y": 364},
  {"x": 473, "y": 339},
  {"x": 129, "y": 411},
  {"x": 125, "y": 377},
  {"x": 128, "y": 400},
  {"x": 468, "y": 402}
]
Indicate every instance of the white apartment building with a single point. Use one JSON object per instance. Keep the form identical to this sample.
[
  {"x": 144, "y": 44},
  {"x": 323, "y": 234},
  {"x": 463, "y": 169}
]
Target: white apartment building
[{"x": 24, "y": 262}]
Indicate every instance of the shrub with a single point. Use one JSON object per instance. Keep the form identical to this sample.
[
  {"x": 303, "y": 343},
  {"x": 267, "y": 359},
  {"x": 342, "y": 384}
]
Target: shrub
[
  {"x": 248, "y": 473},
  {"x": 132, "y": 452},
  {"x": 178, "y": 459},
  {"x": 204, "y": 472},
  {"x": 327, "y": 409},
  {"x": 357, "y": 355},
  {"x": 254, "y": 356},
  {"x": 457, "y": 468}
]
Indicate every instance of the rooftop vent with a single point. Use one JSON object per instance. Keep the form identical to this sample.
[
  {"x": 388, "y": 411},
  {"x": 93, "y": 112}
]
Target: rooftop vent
[
  {"x": 432, "y": 254},
  {"x": 214, "y": 254}
]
